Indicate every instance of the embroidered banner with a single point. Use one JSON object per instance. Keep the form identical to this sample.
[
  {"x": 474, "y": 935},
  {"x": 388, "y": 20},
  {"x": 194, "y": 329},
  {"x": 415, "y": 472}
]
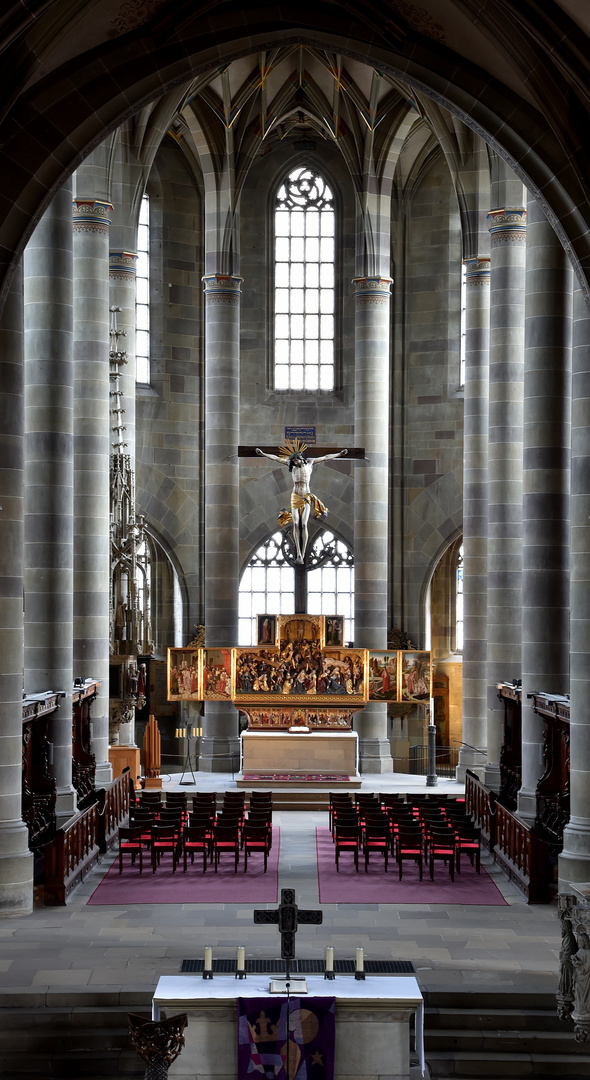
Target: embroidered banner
[{"x": 262, "y": 1038}]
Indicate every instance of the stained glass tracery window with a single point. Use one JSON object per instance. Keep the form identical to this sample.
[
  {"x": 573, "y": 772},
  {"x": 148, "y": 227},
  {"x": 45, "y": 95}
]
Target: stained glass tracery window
[{"x": 304, "y": 283}]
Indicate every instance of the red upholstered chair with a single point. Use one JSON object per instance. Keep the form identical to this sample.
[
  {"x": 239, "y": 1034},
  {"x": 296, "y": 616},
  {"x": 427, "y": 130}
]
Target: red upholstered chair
[
  {"x": 399, "y": 817},
  {"x": 377, "y": 840},
  {"x": 347, "y": 838},
  {"x": 468, "y": 841},
  {"x": 255, "y": 838},
  {"x": 410, "y": 846},
  {"x": 338, "y": 800},
  {"x": 205, "y": 798},
  {"x": 164, "y": 838},
  {"x": 196, "y": 840},
  {"x": 442, "y": 846},
  {"x": 261, "y": 819},
  {"x": 151, "y": 798},
  {"x": 130, "y": 843},
  {"x": 226, "y": 838},
  {"x": 142, "y": 819}
]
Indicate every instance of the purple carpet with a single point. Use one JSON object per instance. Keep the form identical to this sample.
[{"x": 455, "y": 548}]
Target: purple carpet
[
  {"x": 194, "y": 887},
  {"x": 378, "y": 887}
]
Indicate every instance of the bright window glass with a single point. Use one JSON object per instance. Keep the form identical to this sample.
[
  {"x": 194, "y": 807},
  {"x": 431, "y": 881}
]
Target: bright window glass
[
  {"x": 142, "y": 295},
  {"x": 304, "y": 283},
  {"x": 459, "y": 603},
  {"x": 268, "y": 583}
]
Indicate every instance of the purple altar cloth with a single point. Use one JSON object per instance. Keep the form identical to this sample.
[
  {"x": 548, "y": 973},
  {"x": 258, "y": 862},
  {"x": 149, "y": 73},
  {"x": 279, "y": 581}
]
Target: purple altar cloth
[{"x": 262, "y": 1042}]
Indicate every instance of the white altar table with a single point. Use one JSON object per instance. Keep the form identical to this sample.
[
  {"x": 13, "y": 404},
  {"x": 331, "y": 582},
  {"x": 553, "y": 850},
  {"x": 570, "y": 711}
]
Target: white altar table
[{"x": 372, "y": 1023}]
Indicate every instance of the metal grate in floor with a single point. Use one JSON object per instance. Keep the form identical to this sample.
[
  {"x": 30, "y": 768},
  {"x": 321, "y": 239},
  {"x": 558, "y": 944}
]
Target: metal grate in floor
[{"x": 299, "y": 967}]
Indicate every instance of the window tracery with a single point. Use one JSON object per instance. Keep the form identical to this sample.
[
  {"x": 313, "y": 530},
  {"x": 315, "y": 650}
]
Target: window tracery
[{"x": 304, "y": 282}]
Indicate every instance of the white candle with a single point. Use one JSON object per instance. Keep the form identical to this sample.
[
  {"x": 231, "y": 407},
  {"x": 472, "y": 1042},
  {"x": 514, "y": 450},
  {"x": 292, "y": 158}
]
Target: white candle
[
  {"x": 329, "y": 958},
  {"x": 360, "y": 960},
  {"x": 241, "y": 958},
  {"x": 208, "y": 966}
]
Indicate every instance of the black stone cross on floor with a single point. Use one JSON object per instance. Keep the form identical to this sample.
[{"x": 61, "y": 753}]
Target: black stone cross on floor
[{"x": 288, "y": 917}]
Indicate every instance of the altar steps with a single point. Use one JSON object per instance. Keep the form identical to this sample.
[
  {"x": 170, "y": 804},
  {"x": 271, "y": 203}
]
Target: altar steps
[
  {"x": 70, "y": 1043},
  {"x": 468, "y": 1036},
  {"x": 483, "y": 1036}
]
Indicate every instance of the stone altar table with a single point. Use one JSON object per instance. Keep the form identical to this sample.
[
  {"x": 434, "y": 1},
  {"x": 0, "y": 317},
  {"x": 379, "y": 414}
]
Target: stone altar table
[
  {"x": 372, "y": 1023},
  {"x": 312, "y": 752}
]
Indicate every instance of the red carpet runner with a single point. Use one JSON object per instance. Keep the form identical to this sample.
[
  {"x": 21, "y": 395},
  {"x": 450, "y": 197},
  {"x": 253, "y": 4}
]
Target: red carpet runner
[
  {"x": 194, "y": 887},
  {"x": 378, "y": 887}
]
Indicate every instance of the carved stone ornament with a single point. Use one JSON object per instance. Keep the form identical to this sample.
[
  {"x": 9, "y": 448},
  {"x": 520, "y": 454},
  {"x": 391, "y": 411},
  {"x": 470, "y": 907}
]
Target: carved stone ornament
[
  {"x": 198, "y": 641},
  {"x": 158, "y": 1042},
  {"x": 573, "y": 995},
  {"x": 122, "y": 712},
  {"x": 398, "y": 639}
]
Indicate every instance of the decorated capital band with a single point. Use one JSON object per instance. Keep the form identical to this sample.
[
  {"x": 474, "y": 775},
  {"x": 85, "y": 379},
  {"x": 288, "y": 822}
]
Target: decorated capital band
[{"x": 299, "y": 674}]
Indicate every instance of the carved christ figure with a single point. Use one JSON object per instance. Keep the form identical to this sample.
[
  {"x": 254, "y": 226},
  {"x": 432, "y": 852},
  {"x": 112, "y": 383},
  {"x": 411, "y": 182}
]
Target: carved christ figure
[{"x": 303, "y": 501}]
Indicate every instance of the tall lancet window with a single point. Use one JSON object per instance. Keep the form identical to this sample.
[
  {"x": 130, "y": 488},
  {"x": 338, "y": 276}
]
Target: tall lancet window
[
  {"x": 304, "y": 283},
  {"x": 459, "y": 602},
  {"x": 142, "y": 295}
]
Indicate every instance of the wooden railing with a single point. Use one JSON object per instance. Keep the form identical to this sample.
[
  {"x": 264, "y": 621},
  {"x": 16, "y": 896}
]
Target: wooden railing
[
  {"x": 116, "y": 807},
  {"x": 515, "y": 846},
  {"x": 76, "y": 847},
  {"x": 522, "y": 854},
  {"x": 480, "y": 802},
  {"x": 71, "y": 855}
]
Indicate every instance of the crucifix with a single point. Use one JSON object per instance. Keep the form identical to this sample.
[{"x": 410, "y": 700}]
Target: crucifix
[
  {"x": 288, "y": 917},
  {"x": 300, "y": 462}
]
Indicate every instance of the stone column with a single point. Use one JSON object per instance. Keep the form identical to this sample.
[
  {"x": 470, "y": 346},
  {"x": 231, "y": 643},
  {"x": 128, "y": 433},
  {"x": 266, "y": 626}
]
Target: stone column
[
  {"x": 475, "y": 515},
  {"x": 16, "y": 861},
  {"x": 92, "y": 437},
  {"x": 371, "y": 424},
  {"x": 49, "y": 489},
  {"x": 507, "y": 272},
  {"x": 546, "y": 481},
  {"x": 574, "y": 861},
  {"x": 122, "y": 275},
  {"x": 222, "y": 418}
]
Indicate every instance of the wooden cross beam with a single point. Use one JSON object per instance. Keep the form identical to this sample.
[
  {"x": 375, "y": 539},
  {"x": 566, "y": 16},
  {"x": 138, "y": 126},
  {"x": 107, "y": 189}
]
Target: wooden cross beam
[
  {"x": 354, "y": 452},
  {"x": 288, "y": 917}
]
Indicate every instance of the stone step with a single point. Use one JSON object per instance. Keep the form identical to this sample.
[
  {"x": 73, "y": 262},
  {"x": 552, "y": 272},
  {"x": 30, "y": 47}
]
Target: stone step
[
  {"x": 506, "y": 1041},
  {"x": 489, "y": 1019},
  {"x": 479, "y": 1066}
]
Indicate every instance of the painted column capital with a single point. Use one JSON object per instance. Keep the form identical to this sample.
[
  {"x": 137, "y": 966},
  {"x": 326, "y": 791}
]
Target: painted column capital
[
  {"x": 91, "y": 216},
  {"x": 222, "y": 288},
  {"x": 371, "y": 290},
  {"x": 507, "y": 225},
  {"x": 477, "y": 270},
  {"x": 122, "y": 265}
]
